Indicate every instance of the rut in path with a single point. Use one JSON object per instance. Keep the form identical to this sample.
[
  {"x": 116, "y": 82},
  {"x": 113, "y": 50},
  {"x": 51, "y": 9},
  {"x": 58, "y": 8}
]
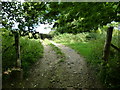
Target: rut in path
[{"x": 48, "y": 72}]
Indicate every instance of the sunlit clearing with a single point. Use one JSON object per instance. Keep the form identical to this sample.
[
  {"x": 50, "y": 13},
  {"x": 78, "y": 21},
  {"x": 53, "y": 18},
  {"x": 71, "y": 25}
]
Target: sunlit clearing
[{"x": 44, "y": 28}]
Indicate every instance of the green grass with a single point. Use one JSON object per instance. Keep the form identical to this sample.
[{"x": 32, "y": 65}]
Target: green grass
[
  {"x": 92, "y": 49},
  {"x": 31, "y": 51},
  {"x": 61, "y": 60},
  {"x": 58, "y": 52},
  {"x": 77, "y": 42},
  {"x": 56, "y": 49},
  {"x": 81, "y": 47},
  {"x": 47, "y": 42}
]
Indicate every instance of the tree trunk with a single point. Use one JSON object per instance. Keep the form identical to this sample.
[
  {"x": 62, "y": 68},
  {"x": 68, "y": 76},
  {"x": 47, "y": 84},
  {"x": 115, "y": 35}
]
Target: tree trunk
[
  {"x": 106, "y": 51},
  {"x": 17, "y": 47}
]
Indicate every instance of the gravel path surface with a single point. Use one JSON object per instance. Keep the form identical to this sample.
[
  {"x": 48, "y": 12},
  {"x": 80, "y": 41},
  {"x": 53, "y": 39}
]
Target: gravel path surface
[
  {"x": 73, "y": 73},
  {"x": 80, "y": 74}
]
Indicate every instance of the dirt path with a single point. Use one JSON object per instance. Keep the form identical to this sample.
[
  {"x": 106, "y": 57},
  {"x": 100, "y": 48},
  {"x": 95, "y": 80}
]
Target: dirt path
[
  {"x": 80, "y": 75},
  {"x": 40, "y": 74},
  {"x": 73, "y": 73}
]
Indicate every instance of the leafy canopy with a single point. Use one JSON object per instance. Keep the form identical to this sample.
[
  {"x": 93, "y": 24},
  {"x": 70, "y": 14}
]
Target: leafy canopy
[
  {"x": 26, "y": 15},
  {"x": 75, "y": 17},
  {"x": 70, "y": 17}
]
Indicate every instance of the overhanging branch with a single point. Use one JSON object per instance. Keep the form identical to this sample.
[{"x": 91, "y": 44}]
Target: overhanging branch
[{"x": 115, "y": 47}]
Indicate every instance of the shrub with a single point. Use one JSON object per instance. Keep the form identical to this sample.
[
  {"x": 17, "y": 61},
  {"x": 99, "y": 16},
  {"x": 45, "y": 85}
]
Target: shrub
[
  {"x": 71, "y": 38},
  {"x": 108, "y": 73},
  {"x": 91, "y": 36},
  {"x": 8, "y": 50},
  {"x": 31, "y": 51}
]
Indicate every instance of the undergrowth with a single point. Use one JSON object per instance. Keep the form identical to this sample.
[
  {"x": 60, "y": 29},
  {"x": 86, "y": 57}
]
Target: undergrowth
[{"x": 31, "y": 51}]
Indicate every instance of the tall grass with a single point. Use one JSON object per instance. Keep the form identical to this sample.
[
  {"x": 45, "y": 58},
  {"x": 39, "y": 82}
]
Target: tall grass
[
  {"x": 79, "y": 42},
  {"x": 71, "y": 38},
  {"x": 8, "y": 50},
  {"x": 31, "y": 51}
]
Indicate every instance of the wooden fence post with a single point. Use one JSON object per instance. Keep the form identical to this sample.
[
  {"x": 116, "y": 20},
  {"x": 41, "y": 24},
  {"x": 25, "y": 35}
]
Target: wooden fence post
[
  {"x": 17, "y": 47},
  {"x": 17, "y": 72},
  {"x": 107, "y": 45}
]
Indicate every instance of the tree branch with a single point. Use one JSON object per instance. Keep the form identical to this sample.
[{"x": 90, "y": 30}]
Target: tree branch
[{"x": 115, "y": 47}]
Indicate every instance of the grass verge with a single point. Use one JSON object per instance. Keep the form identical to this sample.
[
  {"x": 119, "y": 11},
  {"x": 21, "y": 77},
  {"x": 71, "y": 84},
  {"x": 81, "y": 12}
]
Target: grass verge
[
  {"x": 56, "y": 49},
  {"x": 31, "y": 51},
  {"x": 92, "y": 50},
  {"x": 83, "y": 48}
]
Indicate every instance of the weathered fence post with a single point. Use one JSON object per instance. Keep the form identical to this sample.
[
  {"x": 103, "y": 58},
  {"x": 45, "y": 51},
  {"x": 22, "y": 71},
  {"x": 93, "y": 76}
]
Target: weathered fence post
[
  {"x": 106, "y": 51},
  {"x": 17, "y": 72},
  {"x": 17, "y": 47}
]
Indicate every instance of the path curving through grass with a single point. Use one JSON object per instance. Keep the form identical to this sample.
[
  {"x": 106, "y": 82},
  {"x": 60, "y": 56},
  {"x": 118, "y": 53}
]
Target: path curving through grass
[{"x": 72, "y": 73}]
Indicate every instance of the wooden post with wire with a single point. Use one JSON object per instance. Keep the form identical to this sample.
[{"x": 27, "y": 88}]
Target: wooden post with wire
[
  {"x": 107, "y": 45},
  {"x": 17, "y": 72}
]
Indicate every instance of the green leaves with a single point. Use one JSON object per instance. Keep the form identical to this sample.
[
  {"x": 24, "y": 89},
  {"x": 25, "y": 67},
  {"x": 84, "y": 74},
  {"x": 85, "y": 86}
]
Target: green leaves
[
  {"x": 78, "y": 17},
  {"x": 26, "y": 14},
  {"x": 73, "y": 17}
]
